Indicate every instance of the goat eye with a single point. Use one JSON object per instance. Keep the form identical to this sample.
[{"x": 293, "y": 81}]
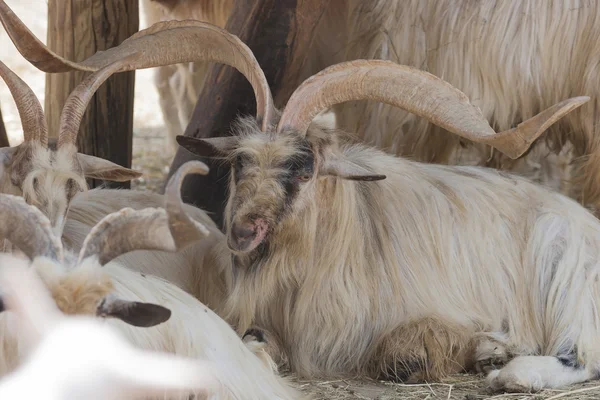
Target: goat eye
[
  {"x": 303, "y": 178},
  {"x": 35, "y": 182}
]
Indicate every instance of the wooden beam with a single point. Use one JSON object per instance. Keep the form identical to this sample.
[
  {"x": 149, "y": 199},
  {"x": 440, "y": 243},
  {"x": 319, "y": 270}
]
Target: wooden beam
[
  {"x": 76, "y": 30},
  {"x": 280, "y": 33},
  {"x": 3, "y": 136}
]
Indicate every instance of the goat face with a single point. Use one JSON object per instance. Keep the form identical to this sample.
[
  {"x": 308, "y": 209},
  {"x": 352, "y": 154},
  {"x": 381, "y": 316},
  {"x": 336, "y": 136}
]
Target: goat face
[
  {"x": 49, "y": 178},
  {"x": 270, "y": 175},
  {"x": 273, "y": 176}
]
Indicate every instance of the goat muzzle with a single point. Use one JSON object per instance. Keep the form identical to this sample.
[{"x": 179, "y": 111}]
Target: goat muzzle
[{"x": 245, "y": 236}]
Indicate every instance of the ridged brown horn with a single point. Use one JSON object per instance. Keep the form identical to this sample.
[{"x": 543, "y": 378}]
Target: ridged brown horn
[
  {"x": 415, "y": 91},
  {"x": 78, "y": 100},
  {"x": 28, "y": 105},
  {"x": 28, "y": 228},
  {"x": 164, "y": 43},
  {"x": 30, "y": 46},
  {"x": 184, "y": 230},
  {"x": 148, "y": 229}
]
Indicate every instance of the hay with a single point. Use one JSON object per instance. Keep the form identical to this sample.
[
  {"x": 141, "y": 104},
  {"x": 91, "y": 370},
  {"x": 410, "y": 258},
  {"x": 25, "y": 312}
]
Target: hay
[{"x": 457, "y": 387}]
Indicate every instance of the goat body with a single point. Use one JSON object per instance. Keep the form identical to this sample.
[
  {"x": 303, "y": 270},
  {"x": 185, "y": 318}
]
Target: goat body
[
  {"x": 415, "y": 274},
  {"x": 200, "y": 269},
  {"x": 193, "y": 330}
]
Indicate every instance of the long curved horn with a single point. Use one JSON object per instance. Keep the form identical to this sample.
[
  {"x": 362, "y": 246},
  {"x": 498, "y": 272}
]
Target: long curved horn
[
  {"x": 78, "y": 100},
  {"x": 148, "y": 229},
  {"x": 164, "y": 43},
  {"x": 31, "y": 47},
  {"x": 28, "y": 105},
  {"x": 415, "y": 91},
  {"x": 28, "y": 228}
]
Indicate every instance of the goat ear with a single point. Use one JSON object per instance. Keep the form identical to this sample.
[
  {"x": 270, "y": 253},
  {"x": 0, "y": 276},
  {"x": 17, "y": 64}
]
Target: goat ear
[
  {"x": 345, "y": 169},
  {"x": 133, "y": 312},
  {"x": 211, "y": 147},
  {"x": 99, "y": 168}
]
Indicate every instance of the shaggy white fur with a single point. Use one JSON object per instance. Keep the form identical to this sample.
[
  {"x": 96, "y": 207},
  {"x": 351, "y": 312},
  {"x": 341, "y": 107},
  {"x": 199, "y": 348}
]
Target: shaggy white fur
[{"x": 347, "y": 267}]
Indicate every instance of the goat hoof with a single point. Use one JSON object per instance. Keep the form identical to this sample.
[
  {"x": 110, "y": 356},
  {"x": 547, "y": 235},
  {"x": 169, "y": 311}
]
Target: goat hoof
[
  {"x": 487, "y": 365},
  {"x": 490, "y": 355}
]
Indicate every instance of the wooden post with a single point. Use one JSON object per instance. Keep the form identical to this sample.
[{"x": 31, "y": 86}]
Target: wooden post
[
  {"x": 76, "y": 30},
  {"x": 3, "y": 135},
  {"x": 280, "y": 33}
]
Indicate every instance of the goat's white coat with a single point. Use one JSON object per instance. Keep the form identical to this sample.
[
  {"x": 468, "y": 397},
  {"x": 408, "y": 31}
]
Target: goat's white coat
[
  {"x": 200, "y": 269},
  {"x": 79, "y": 357},
  {"x": 475, "y": 248},
  {"x": 192, "y": 331}
]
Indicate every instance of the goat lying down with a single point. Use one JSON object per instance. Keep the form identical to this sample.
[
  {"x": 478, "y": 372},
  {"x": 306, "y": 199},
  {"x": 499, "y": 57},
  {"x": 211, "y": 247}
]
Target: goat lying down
[
  {"x": 95, "y": 361},
  {"x": 200, "y": 269},
  {"x": 92, "y": 284},
  {"x": 359, "y": 283},
  {"x": 49, "y": 178},
  {"x": 50, "y": 174},
  {"x": 358, "y": 262}
]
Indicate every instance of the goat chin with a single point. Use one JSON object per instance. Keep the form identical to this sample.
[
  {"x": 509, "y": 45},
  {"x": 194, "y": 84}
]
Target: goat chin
[
  {"x": 465, "y": 43},
  {"x": 201, "y": 269},
  {"x": 193, "y": 331}
]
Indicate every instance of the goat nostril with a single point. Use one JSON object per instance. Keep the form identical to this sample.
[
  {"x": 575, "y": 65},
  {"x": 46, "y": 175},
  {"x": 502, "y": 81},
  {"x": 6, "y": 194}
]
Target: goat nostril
[{"x": 244, "y": 231}]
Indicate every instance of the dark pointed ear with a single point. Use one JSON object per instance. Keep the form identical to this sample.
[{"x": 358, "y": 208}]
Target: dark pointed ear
[
  {"x": 345, "y": 169},
  {"x": 210, "y": 147},
  {"x": 99, "y": 168},
  {"x": 133, "y": 312}
]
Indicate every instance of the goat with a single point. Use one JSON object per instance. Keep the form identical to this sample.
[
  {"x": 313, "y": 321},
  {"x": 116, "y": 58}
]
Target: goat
[
  {"x": 49, "y": 174},
  {"x": 468, "y": 44},
  {"x": 348, "y": 347},
  {"x": 45, "y": 184},
  {"x": 93, "y": 285},
  {"x": 49, "y": 179},
  {"x": 200, "y": 269},
  {"x": 174, "y": 42},
  {"x": 78, "y": 357},
  {"x": 359, "y": 262}
]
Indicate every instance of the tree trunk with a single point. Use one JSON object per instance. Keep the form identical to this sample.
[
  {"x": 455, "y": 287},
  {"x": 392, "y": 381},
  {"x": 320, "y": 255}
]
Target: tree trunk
[
  {"x": 3, "y": 135},
  {"x": 280, "y": 33},
  {"x": 76, "y": 30}
]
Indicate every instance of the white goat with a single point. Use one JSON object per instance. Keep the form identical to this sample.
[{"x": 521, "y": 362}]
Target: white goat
[
  {"x": 507, "y": 56},
  {"x": 93, "y": 285},
  {"x": 48, "y": 175},
  {"x": 79, "y": 357},
  {"x": 414, "y": 276},
  {"x": 200, "y": 269},
  {"x": 50, "y": 178}
]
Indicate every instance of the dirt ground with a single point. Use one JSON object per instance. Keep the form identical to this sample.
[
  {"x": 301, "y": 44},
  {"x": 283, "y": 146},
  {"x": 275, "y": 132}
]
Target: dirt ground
[{"x": 149, "y": 156}]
